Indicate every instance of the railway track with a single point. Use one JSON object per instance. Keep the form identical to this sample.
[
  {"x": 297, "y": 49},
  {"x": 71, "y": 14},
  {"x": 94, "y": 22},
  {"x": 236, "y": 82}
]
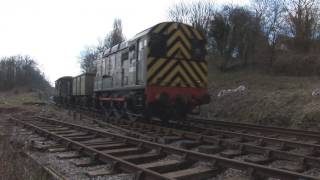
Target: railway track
[
  {"x": 253, "y": 149},
  {"x": 147, "y": 160},
  {"x": 270, "y": 131},
  {"x": 241, "y": 128},
  {"x": 269, "y": 138}
]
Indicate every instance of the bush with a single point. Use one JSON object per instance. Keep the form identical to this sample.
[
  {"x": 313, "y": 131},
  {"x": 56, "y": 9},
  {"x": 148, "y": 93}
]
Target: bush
[{"x": 297, "y": 64}]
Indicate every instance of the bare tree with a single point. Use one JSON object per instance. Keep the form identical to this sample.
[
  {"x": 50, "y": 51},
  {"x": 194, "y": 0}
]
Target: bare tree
[
  {"x": 234, "y": 31},
  {"x": 180, "y": 12},
  {"x": 87, "y": 59},
  {"x": 272, "y": 18},
  {"x": 21, "y": 71},
  {"x": 89, "y": 55},
  {"x": 115, "y": 36},
  {"x": 197, "y": 14},
  {"x": 219, "y": 32},
  {"x": 303, "y": 17}
]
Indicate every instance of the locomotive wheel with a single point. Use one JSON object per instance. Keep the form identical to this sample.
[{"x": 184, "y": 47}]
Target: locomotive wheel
[
  {"x": 114, "y": 111},
  {"x": 162, "y": 108},
  {"x": 106, "y": 111},
  {"x": 181, "y": 110},
  {"x": 128, "y": 113},
  {"x": 147, "y": 114}
]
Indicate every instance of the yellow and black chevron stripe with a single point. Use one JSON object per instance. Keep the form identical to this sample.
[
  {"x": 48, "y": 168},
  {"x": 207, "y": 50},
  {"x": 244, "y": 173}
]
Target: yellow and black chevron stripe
[
  {"x": 177, "y": 72},
  {"x": 177, "y": 68}
]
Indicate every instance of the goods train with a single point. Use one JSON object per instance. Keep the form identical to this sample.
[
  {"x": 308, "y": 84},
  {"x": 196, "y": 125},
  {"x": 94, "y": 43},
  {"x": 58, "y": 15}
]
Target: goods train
[{"x": 161, "y": 72}]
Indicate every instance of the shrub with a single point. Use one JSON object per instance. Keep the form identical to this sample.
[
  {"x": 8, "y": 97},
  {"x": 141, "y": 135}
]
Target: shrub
[{"x": 297, "y": 64}]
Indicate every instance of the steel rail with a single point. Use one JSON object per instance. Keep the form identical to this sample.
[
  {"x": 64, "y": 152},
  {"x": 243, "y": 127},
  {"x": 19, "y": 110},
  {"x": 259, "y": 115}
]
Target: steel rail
[
  {"x": 246, "y": 147},
  {"x": 86, "y": 150},
  {"x": 246, "y": 126},
  {"x": 262, "y": 139},
  {"x": 250, "y": 137},
  {"x": 255, "y": 169},
  {"x": 258, "y": 128}
]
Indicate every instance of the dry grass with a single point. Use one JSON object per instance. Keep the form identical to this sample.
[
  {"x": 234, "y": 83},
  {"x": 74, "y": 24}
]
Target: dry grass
[
  {"x": 21, "y": 96},
  {"x": 297, "y": 64},
  {"x": 14, "y": 164},
  {"x": 269, "y": 99}
]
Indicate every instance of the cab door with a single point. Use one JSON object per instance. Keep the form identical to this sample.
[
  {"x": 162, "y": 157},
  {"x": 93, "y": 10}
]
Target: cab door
[
  {"x": 142, "y": 60},
  {"x": 132, "y": 64},
  {"x": 125, "y": 68},
  {"x": 137, "y": 57}
]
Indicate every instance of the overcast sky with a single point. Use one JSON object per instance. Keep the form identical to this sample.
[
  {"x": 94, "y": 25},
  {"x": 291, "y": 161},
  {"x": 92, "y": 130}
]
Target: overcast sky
[{"x": 55, "y": 31}]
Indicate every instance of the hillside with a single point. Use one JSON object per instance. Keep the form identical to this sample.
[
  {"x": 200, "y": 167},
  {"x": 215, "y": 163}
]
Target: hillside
[{"x": 268, "y": 99}]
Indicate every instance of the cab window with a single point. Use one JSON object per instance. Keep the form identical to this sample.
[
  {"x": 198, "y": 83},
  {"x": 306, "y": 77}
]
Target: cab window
[
  {"x": 125, "y": 56},
  {"x": 198, "y": 49},
  {"x": 158, "y": 45},
  {"x": 132, "y": 54}
]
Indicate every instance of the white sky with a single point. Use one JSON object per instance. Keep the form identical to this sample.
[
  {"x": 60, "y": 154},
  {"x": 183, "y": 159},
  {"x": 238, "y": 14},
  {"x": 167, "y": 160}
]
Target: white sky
[{"x": 55, "y": 31}]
